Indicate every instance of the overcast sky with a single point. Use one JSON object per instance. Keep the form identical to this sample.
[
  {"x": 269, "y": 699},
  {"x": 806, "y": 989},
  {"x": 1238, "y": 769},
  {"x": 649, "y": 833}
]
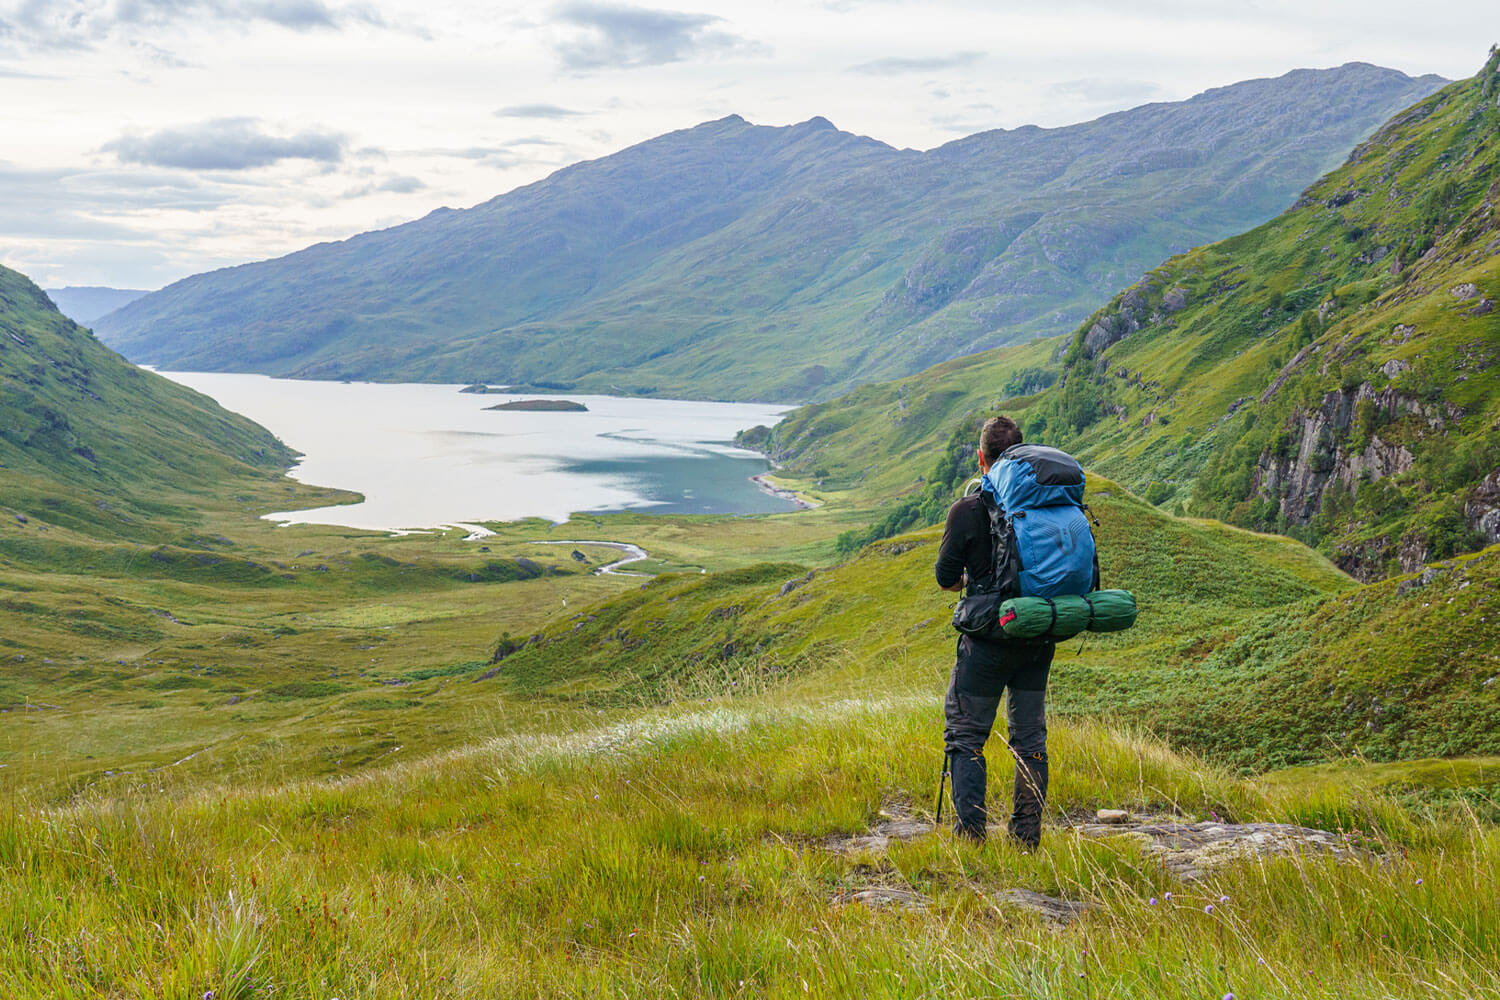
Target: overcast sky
[{"x": 146, "y": 140}]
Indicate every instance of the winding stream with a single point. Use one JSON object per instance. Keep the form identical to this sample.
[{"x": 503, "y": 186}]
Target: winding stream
[{"x": 633, "y": 554}]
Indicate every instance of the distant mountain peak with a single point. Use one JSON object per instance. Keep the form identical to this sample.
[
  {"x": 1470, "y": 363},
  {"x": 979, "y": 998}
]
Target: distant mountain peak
[
  {"x": 775, "y": 262},
  {"x": 86, "y": 303}
]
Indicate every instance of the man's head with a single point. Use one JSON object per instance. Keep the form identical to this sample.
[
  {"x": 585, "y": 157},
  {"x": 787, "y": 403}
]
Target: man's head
[{"x": 996, "y": 436}]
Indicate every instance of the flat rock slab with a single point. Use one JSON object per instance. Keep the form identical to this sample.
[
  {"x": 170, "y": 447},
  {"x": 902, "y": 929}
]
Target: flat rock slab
[
  {"x": 1059, "y": 911},
  {"x": 1190, "y": 850},
  {"x": 896, "y": 824},
  {"x": 883, "y": 898}
]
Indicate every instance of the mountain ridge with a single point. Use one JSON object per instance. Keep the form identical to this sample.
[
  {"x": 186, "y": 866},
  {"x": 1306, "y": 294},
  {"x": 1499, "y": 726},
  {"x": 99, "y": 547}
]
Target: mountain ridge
[
  {"x": 85, "y": 303},
  {"x": 1329, "y": 374},
  {"x": 657, "y": 269}
]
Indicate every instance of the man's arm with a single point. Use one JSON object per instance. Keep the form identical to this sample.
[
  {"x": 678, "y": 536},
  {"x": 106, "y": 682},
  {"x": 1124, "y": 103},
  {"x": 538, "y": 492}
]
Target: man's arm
[{"x": 950, "y": 560}]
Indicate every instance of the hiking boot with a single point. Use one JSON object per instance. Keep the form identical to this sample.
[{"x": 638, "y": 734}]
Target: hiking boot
[
  {"x": 968, "y": 796},
  {"x": 1028, "y": 799}
]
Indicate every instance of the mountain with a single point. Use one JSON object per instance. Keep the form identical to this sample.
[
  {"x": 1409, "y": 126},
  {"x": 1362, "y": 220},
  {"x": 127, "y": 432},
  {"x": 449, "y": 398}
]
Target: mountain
[
  {"x": 86, "y": 303},
  {"x": 739, "y": 261},
  {"x": 1331, "y": 374},
  {"x": 90, "y": 441}
]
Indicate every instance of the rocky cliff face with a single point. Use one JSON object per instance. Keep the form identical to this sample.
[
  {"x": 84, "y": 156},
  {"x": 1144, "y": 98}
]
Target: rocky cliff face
[
  {"x": 1335, "y": 448},
  {"x": 1324, "y": 452},
  {"x": 1482, "y": 509}
]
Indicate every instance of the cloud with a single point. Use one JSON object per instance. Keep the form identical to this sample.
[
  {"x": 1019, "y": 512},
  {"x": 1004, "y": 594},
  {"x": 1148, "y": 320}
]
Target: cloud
[
  {"x": 616, "y": 36},
  {"x": 916, "y": 64},
  {"x": 403, "y": 184},
  {"x": 225, "y": 144},
  {"x": 82, "y": 24},
  {"x": 98, "y": 205},
  {"x": 551, "y": 111},
  {"x": 1098, "y": 89},
  {"x": 501, "y": 156},
  {"x": 16, "y": 74},
  {"x": 530, "y": 140}
]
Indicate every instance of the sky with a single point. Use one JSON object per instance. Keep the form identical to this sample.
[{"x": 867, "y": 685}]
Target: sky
[{"x": 142, "y": 141}]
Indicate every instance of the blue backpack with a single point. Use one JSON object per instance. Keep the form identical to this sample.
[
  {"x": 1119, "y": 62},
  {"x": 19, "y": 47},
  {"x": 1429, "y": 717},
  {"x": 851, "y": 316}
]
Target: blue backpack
[{"x": 1039, "y": 492}]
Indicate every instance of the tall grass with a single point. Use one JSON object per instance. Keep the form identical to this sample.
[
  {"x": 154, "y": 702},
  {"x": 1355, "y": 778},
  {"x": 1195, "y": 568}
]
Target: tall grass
[{"x": 681, "y": 852}]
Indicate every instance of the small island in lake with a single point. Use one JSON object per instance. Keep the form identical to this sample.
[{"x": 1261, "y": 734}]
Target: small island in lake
[{"x": 551, "y": 405}]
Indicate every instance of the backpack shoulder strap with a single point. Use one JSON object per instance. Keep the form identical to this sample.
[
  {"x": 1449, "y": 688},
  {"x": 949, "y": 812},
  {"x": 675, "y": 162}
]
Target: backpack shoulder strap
[{"x": 1004, "y": 573}]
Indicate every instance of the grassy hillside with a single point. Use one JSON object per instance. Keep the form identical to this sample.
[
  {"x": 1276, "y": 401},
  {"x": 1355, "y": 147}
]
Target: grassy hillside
[
  {"x": 685, "y": 852},
  {"x": 649, "y": 800},
  {"x": 745, "y": 262},
  {"x": 244, "y": 761},
  {"x": 240, "y": 650},
  {"x": 324, "y": 763},
  {"x": 1250, "y": 649},
  {"x": 1330, "y": 374},
  {"x": 88, "y": 439}
]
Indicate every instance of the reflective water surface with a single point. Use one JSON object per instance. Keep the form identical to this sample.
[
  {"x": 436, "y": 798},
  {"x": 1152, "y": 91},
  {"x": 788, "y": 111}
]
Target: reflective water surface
[{"x": 429, "y": 455}]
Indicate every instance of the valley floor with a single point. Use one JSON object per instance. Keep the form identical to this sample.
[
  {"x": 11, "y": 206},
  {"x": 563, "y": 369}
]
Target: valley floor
[{"x": 313, "y": 763}]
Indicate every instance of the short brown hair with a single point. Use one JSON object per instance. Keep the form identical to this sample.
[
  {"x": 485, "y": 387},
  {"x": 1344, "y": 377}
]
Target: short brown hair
[{"x": 997, "y": 436}]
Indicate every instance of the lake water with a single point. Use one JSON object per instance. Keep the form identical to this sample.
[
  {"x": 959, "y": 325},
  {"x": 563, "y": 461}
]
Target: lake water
[{"x": 428, "y": 455}]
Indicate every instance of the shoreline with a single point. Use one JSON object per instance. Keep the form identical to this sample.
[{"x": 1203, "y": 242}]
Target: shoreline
[{"x": 802, "y": 503}]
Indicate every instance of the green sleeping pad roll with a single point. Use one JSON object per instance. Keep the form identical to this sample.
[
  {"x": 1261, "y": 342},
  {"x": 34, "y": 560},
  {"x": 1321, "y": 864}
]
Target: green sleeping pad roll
[{"x": 1065, "y": 616}]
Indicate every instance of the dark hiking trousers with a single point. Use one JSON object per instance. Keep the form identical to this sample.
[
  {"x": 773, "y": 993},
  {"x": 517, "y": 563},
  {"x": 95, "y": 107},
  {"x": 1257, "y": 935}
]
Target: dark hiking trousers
[{"x": 983, "y": 673}]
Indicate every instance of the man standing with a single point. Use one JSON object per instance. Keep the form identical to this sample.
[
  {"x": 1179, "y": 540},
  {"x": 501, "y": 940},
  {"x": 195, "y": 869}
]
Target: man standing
[{"x": 987, "y": 669}]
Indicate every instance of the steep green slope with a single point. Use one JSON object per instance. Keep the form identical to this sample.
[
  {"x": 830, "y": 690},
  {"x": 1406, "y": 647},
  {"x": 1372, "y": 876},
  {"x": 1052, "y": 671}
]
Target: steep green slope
[
  {"x": 1330, "y": 374},
  {"x": 1250, "y": 648},
  {"x": 737, "y": 261},
  {"x": 89, "y": 441}
]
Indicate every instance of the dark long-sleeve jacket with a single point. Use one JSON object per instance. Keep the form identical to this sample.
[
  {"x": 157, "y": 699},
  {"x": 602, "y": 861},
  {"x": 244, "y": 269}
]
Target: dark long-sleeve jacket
[{"x": 966, "y": 545}]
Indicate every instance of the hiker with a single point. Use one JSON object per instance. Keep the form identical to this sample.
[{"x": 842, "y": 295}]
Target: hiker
[{"x": 987, "y": 669}]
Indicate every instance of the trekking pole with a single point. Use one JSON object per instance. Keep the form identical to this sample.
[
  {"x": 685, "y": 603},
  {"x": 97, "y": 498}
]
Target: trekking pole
[{"x": 937, "y": 818}]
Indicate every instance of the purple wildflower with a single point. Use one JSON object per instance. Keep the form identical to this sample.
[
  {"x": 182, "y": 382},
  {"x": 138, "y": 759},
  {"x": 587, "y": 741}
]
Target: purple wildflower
[
  {"x": 1223, "y": 900},
  {"x": 1209, "y": 908},
  {"x": 1151, "y": 901}
]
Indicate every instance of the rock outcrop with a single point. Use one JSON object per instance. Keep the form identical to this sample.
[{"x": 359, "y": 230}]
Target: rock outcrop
[
  {"x": 1131, "y": 314},
  {"x": 1482, "y": 509},
  {"x": 1324, "y": 452},
  {"x": 1190, "y": 850}
]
